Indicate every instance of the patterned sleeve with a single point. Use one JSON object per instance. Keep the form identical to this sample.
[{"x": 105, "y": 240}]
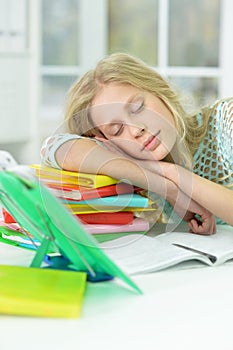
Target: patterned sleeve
[
  {"x": 214, "y": 158},
  {"x": 51, "y": 145},
  {"x": 225, "y": 127}
]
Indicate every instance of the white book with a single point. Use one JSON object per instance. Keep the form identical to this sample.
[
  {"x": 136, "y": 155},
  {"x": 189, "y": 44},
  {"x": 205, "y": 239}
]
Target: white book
[{"x": 137, "y": 253}]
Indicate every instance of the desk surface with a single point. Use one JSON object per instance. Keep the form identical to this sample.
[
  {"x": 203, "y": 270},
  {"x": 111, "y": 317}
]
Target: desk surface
[{"x": 180, "y": 309}]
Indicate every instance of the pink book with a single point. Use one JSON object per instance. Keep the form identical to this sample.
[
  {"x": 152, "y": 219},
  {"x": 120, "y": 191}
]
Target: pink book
[{"x": 137, "y": 225}]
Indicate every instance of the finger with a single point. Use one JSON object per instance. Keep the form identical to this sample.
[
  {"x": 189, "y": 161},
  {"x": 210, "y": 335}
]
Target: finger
[
  {"x": 193, "y": 226},
  {"x": 209, "y": 225},
  {"x": 204, "y": 228}
]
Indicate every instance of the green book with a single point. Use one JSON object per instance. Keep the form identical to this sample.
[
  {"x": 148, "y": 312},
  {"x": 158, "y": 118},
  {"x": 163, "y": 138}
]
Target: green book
[
  {"x": 41, "y": 292},
  {"x": 41, "y": 214}
]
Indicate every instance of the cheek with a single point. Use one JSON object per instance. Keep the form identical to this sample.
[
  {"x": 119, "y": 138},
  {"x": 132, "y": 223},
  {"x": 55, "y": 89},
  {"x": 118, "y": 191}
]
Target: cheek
[{"x": 168, "y": 134}]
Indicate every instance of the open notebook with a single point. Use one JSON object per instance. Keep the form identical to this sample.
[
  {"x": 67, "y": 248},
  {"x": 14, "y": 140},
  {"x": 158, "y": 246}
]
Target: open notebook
[{"x": 42, "y": 215}]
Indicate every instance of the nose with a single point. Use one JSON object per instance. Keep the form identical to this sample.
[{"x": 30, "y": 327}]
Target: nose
[{"x": 136, "y": 130}]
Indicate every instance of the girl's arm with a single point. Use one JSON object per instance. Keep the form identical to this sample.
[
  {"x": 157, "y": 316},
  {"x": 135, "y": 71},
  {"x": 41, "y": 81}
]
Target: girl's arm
[
  {"x": 214, "y": 197},
  {"x": 85, "y": 155}
]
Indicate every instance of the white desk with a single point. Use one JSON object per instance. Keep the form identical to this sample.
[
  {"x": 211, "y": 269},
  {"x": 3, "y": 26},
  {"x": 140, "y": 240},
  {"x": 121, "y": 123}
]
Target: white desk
[{"x": 180, "y": 309}]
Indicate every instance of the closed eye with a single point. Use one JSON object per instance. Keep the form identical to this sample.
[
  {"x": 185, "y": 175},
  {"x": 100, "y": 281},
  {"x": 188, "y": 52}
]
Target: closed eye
[
  {"x": 114, "y": 129},
  {"x": 119, "y": 130},
  {"x": 137, "y": 106}
]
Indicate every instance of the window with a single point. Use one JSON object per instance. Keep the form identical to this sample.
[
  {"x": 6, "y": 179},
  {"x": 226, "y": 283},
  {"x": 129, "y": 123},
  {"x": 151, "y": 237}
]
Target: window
[
  {"x": 133, "y": 27},
  {"x": 60, "y": 37},
  {"x": 179, "y": 38},
  {"x": 72, "y": 40},
  {"x": 186, "y": 41}
]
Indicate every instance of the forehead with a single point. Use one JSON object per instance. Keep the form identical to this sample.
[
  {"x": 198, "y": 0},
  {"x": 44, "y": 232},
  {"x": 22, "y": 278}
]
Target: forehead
[
  {"x": 111, "y": 101},
  {"x": 114, "y": 93}
]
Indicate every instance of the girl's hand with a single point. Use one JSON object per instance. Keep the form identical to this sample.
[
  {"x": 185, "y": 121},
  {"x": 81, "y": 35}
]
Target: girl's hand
[
  {"x": 199, "y": 219},
  {"x": 205, "y": 227}
]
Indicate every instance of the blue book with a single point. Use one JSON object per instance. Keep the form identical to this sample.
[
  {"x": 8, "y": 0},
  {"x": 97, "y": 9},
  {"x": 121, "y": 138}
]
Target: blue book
[{"x": 125, "y": 200}]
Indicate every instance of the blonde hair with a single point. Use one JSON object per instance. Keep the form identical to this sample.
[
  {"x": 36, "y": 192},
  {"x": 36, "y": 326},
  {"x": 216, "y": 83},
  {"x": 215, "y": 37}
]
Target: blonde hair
[{"x": 122, "y": 68}]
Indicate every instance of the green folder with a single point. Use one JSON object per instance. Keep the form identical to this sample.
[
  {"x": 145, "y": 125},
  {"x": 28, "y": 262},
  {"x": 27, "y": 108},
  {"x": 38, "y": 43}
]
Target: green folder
[{"x": 41, "y": 214}]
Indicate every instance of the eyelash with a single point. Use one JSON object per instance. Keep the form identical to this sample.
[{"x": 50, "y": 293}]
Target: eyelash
[
  {"x": 119, "y": 130},
  {"x": 139, "y": 108}
]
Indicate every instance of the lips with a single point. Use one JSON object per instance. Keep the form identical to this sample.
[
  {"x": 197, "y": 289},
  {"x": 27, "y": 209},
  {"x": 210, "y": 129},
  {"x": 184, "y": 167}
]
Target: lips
[{"x": 151, "y": 142}]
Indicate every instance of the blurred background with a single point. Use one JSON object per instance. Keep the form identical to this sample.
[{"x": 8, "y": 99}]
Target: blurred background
[{"x": 45, "y": 45}]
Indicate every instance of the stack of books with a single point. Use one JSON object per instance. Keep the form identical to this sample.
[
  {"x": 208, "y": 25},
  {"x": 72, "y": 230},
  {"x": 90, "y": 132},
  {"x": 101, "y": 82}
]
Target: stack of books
[{"x": 101, "y": 203}]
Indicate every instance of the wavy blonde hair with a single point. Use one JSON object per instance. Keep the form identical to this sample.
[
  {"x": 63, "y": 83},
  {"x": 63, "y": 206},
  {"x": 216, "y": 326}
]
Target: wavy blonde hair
[{"x": 122, "y": 68}]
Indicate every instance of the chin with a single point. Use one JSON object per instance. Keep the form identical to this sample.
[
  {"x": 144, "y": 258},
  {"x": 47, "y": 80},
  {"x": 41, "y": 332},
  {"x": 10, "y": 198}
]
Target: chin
[{"x": 160, "y": 154}]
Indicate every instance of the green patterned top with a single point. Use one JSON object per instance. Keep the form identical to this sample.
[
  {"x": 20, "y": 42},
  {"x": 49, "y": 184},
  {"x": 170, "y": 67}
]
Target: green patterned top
[{"x": 213, "y": 159}]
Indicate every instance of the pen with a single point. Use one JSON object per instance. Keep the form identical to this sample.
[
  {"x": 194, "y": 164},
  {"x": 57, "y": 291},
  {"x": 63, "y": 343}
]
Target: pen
[{"x": 212, "y": 258}]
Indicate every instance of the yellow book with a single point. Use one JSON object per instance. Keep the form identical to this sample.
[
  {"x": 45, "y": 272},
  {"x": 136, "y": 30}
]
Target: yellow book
[
  {"x": 88, "y": 210},
  {"x": 57, "y": 176},
  {"x": 41, "y": 292}
]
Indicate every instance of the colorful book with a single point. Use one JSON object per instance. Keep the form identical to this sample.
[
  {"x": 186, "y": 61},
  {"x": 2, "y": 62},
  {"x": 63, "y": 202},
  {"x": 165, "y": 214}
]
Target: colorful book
[
  {"x": 124, "y": 200},
  {"x": 16, "y": 236},
  {"x": 115, "y": 218},
  {"x": 57, "y": 176},
  {"x": 101, "y": 214},
  {"x": 138, "y": 225},
  {"x": 8, "y": 218},
  {"x": 103, "y": 237},
  {"x": 92, "y": 218},
  {"x": 83, "y": 193},
  {"x": 77, "y": 209},
  {"x": 41, "y": 292}
]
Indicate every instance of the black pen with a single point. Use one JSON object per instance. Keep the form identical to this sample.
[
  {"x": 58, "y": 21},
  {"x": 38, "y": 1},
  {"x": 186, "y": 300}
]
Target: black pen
[{"x": 212, "y": 258}]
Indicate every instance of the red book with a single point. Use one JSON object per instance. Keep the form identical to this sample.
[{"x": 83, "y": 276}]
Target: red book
[
  {"x": 81, "y": 193},
  {"x": 8, "y": 219},
  {"x": 115, "y": 218}
]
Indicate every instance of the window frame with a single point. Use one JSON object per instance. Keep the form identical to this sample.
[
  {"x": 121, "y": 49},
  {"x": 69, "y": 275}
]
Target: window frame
[{"x": 93, "y": 50}]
